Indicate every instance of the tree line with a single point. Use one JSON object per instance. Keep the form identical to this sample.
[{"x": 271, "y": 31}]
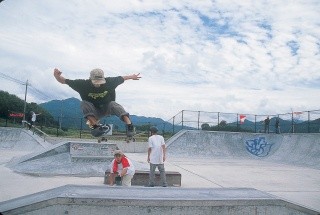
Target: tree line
[{"x": 12, "y": 108}]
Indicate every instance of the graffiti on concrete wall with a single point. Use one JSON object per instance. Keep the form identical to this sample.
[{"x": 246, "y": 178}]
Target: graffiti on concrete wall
[{"x": 258, "y": 146}]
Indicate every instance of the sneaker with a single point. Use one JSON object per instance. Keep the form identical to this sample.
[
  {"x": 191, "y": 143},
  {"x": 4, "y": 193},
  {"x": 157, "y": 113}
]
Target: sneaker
[
  {"x": 99, "y": 130},
  {"x": 130, "y": 130},
  {"x": 105, "y": 127}
]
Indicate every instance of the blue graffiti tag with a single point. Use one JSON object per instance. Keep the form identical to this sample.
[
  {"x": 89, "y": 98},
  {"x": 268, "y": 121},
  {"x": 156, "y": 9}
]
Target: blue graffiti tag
[{"x": 258, "y": 147}]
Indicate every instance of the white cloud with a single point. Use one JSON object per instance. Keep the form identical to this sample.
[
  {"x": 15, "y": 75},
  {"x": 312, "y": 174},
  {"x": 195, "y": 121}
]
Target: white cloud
[{"x": 224, "y": 56}]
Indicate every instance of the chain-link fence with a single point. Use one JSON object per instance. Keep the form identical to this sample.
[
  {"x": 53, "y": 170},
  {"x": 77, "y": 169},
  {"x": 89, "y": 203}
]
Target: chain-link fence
[{"x": 294, "y": 122}]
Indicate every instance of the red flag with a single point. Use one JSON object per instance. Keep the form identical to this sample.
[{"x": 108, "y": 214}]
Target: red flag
[{"x": 242, "y": 118}]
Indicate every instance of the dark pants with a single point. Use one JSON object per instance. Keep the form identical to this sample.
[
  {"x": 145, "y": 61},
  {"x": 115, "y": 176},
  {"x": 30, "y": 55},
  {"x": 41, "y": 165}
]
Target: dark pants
[
  {"x": 113, "y": 108},
  {"x": 30, "y": 124},
  {"x": 162, "y": 174}
]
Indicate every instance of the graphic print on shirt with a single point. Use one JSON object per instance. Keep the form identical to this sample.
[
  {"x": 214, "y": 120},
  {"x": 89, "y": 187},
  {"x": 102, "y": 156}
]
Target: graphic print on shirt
[{"x": 98, "y": 95}]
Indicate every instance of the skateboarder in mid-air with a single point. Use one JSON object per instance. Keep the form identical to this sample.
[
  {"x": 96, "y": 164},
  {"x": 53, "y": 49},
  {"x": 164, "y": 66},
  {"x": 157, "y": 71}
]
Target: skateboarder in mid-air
[{"x": 98, "y": 98}]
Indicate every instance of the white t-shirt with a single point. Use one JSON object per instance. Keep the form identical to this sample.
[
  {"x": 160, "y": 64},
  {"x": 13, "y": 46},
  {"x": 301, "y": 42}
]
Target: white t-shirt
[
  {"x": 130, "y": 171},
  {"x": 156, "y": 142},
  {"x": 34, "y": 117}
]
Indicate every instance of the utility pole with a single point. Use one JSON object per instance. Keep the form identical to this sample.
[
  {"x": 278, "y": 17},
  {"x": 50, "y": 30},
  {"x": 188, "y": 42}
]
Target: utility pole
[
  {"x": 25, "y": 102},
  {"x": 60, "y": 119}
]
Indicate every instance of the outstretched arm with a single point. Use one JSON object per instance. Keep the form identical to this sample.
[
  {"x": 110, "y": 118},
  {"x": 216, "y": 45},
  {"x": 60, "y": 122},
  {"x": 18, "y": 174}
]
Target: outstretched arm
[
  {"x": 133, "y": 77},
  {"x": 149, "y": 152},
  {"x": 57, "y": 74},
  {"x": 164, "y": 152}
]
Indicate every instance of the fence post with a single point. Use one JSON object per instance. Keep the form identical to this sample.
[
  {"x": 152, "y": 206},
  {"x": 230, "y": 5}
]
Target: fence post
[
  {"x": 255, "y": 123},
  {"x": 58, "y": 127},
  {"x": 80, "y": 127},
  {"x": 173, "y": 125},
  {"x": 182, "y": 119},
  {"x": 308, "y": 121},
  {"x": 198, "y": 120},
  {"x": 238, "y": 122},
  {"x": 218, "y": 121},
  {"x": 292, "y": 123}
]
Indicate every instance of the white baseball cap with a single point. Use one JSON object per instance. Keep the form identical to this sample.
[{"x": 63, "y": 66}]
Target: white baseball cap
[{"x": 97, "y": 76}]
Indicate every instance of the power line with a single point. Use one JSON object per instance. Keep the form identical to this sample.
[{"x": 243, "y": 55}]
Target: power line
[
  {"x": 2, "y": 75},
  {"x": 35, "y": 91},
  {"x": 39, "y": 93}
]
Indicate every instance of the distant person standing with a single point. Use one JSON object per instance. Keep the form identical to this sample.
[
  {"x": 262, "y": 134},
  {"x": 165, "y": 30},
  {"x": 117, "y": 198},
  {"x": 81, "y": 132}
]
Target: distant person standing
[
  {"x": 32, "y": 118},
  {"x": 277, "y": 125},
  {"x": 266, "y": 125},
  {"x": 156, "y": 157}
]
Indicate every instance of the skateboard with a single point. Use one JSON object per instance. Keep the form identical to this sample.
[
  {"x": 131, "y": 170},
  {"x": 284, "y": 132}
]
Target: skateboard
[
  {"x": 133, "y": 137},
  {"x": 130, "y": 139},
  {"x": 101, "y": 133},
  {"x": 102, "y": 138}
]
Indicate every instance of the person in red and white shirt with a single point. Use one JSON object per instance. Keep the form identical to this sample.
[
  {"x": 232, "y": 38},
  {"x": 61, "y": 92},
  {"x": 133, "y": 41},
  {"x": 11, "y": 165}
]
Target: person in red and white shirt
[{"x": 121, "y": 166}]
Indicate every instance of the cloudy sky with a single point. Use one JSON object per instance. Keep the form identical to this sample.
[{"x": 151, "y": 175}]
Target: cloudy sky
[{"x": 260, "y": 57}]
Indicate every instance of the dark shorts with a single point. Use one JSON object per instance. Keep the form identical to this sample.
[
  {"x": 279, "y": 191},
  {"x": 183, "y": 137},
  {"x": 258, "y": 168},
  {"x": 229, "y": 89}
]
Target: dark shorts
[{"x": 113, "y": 108}]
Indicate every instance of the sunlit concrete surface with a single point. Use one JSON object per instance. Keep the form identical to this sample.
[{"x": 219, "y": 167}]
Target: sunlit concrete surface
[{"x": 283, "y": 166}]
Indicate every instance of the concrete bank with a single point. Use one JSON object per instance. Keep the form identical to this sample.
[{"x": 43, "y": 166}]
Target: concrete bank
[{"x": 139, "y": 201}]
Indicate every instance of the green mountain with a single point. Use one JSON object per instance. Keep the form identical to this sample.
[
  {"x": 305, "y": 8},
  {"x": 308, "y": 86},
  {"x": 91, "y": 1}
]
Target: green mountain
[{"x": 68, "y": 111}]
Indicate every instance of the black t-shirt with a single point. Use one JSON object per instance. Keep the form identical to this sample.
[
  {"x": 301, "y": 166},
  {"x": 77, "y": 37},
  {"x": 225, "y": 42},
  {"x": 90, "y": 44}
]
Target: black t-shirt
[{"x": 96, "y": 95}]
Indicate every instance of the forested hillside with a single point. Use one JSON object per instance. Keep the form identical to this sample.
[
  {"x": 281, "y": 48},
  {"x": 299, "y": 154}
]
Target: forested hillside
[{"x": 11, "y": 107}]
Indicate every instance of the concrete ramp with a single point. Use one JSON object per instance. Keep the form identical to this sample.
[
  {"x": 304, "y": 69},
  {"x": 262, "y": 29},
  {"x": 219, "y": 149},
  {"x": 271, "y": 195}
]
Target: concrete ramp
[
  {"x": 70, "y": 158},
  {"x": 73, "y": 158},
  {"x": 71, "y": 199},
  {"x": 19, "y": 139},
  {"x": 294, "y": 149},
  {"x": 34, "y": 156}
]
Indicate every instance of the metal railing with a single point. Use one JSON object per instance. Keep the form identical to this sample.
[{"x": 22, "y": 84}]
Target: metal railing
[
  {"x": 294, "y": 122},
  {"x": 36, "y": 130}
]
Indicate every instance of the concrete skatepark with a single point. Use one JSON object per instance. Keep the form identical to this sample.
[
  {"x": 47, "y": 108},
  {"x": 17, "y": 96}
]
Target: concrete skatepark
[{"x": 222, "y": 173}]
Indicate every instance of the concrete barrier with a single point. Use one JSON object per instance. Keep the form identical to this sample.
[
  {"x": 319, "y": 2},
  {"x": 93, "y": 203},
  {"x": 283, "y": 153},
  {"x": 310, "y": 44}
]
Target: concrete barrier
[
  {"x": 132, "y": 147},
  {"x": 141, "y": 178},
  {"x": 115, "y": 200},
  {"x": 91, "y": 151}
]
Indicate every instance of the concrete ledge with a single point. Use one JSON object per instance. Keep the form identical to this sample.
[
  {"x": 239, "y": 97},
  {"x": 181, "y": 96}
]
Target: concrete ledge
[
  {"x": 85, "y": 150},
  {"x": 141, "y": 178},
  {"x": 90, "y": 158},
  {"x": 73, "y": 199}
]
